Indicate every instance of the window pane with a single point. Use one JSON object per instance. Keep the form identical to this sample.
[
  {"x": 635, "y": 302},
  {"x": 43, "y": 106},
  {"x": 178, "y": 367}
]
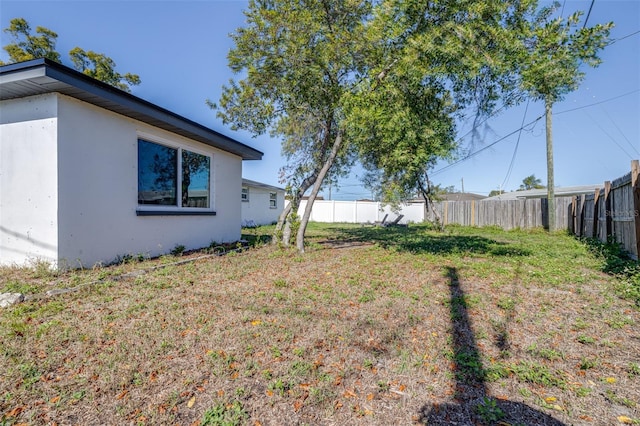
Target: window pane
[
  {"x": 245, "y": 193},
  {"x": 157, "y": 174},
  {"x": 195, "y": 179}
]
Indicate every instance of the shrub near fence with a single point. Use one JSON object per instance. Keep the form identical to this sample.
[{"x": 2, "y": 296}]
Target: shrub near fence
[{"x": 611, "y": 212}]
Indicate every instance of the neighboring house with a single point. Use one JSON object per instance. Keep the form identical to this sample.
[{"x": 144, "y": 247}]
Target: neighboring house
[
  {"x": 261, "y": 203},
  {"x": 559, "y": 191},
  {"x": 89, "y": 173},
  {"x": 460, "y": 196}
]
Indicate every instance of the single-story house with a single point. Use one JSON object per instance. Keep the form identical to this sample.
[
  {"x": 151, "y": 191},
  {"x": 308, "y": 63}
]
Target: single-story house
[
  {"x": 559, "y": 191},
  {"x": 89, "y": 173},
  {"x": 261, "y": 203}
]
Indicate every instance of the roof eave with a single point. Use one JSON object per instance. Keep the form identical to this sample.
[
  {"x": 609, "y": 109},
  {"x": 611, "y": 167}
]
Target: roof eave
[{"x": 46, "y": 76}]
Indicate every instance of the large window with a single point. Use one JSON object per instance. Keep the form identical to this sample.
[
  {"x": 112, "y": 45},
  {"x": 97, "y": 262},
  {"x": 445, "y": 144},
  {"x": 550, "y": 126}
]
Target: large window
[{"x": 172, "y": 176}]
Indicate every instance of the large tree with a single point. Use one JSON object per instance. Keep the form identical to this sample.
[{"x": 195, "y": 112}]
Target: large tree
[
  {"x": 27, "y": 46},
  {"x": 382, "y": 80},
  {"x": 552, "y": 65},
  {"x": 298, "y": 59}
]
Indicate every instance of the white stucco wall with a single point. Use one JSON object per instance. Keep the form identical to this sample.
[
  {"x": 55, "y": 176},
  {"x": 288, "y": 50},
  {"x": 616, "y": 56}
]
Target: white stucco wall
[
  {"x": 28, "y": 180},
  {"x": 98, "y": 161},
  {"x": 258, "y": 210},
  {"x": 75, "y": 201}
]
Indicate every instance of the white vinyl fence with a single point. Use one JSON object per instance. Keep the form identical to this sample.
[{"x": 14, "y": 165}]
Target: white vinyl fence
[{"x": 332, "y": 211}]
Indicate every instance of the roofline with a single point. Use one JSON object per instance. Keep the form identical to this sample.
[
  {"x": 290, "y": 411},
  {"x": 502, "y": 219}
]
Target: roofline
[
  {"x": 88, "y": 89},
  {"x": 260, "y": 184}
]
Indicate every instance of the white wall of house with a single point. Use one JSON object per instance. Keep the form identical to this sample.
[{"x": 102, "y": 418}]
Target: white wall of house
[
  {"x": 28, "y": 180},
  {"x": 332, "y": 211},
  {"x": 258, "y": 210},
  {"x": 90, "y": 179}
]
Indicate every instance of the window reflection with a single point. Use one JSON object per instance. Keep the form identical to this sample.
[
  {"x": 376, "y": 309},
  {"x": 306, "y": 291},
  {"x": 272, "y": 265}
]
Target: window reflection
[
  {"x": 195, "y": 179},
  {"x": 157, "y": 174}
]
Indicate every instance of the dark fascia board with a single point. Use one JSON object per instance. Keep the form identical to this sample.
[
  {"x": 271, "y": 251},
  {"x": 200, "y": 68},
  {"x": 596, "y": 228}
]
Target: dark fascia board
[
  {"x": 247, "y": 182},
  {"x": 47, "y": 76}
]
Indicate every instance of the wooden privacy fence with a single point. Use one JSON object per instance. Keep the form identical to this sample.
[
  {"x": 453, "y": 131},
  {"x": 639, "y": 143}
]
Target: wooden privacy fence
[
  {"x": 507, "y": 214},
  {"x": 611, "y": 212}
]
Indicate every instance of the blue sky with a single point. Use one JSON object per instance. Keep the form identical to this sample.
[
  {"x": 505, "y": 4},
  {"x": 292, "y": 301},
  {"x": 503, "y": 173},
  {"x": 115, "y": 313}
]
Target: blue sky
[{"x": 179, "y": 50}]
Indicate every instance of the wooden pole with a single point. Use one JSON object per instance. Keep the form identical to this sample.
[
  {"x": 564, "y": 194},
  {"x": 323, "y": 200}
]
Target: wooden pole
[
  {"x": 551, "y": 202},
  {"x": 635, "y": 187}
]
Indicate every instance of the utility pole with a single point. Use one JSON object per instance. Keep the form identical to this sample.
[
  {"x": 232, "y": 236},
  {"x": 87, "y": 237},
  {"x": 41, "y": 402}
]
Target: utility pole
[
  {"x": 462, "y": 180},
  {"x": 551, "y": 202}
]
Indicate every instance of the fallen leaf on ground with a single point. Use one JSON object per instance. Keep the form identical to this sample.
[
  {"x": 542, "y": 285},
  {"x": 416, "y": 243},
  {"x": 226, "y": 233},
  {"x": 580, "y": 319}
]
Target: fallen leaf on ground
[{"x": 191, "y": 402}]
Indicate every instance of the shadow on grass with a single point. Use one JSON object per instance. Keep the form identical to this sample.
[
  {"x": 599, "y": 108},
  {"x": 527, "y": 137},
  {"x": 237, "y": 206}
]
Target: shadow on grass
[
  {"x": 417, "y": 239},
  {"x": 472, "y": 405}
]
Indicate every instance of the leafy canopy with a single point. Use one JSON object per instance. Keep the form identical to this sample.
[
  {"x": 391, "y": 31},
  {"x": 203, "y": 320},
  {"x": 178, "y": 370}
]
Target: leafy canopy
[
  {"x": 555, "y": 50},
  {"x": 27, "y": 46}
]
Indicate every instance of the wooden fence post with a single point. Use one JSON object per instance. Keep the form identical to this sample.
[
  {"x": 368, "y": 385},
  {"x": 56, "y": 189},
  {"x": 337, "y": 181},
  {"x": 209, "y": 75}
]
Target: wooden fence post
[
  {"x": 473, "y": 212},
  {"x": 574, "y": 225},
  {"x": 607, "y": 211},
  {"x": 635, "y": 187},
  {"x": 582, "y": 203},
  {"x": 596, "y": 198}
]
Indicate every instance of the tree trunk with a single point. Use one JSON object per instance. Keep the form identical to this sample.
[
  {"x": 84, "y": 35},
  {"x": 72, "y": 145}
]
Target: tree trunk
[
  {"x": 281, "y": 221},
  {"x": 428, "y": 201},
  {"x": 337, "y": 143},
  {"x": 284, "y": 220},
  {"x": 551, "y": 202}
]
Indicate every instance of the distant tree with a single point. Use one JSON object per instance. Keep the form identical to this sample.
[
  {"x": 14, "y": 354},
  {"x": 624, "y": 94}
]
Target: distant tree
[
  {"x": 27, "y": 46},
  {"x": 551, "y": 66},
  {"x": 102, "y": 68},
  {"x": 495, "y": 192},
  {"x": 531, "y": 182}
]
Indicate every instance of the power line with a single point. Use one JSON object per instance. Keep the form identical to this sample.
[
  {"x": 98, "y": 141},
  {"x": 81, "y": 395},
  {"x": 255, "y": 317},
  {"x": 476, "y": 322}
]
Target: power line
[
  {"x": 513, "y": 158},
  {"x": 620, "y": 130},
  {"x": 473, "y": 154},
  {"x": 598, "y": 103},
  {"x": 622, "y": 38},
  {"x": 610, "y": 137},
  {"x": 588, "y": 13}
]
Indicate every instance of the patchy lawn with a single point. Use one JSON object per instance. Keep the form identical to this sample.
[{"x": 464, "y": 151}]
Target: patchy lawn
[{"x": 370, "y": 326}]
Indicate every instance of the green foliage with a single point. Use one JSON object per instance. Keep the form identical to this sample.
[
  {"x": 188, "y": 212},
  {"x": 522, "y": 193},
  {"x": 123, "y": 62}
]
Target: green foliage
[
  {"x": 178, "y": 250},
  {"x": 554, "y": 51},
  {"x": 382, "y": 82},
  {"x": 225, "y": 414},
  {"x": 616, "y": 261},
  {"x": 489, "y": 412},
  {"x": 531, "y": 182},
  {"x": 26, "y": 46},
  {"x": 101, "y": 67}
]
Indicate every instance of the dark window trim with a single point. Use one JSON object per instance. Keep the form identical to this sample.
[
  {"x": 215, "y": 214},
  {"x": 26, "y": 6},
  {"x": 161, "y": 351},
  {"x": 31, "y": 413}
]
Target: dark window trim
[{"x": 174, "y": 213}]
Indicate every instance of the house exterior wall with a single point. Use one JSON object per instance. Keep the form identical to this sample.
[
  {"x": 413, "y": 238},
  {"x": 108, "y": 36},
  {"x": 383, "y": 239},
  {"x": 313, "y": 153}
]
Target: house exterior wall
[
  {"x": 257, "y": 209},
  {"x": 98, "y": 199},
  {"x": 75, "y": 203},
  {"x": 28, "y": 180}
]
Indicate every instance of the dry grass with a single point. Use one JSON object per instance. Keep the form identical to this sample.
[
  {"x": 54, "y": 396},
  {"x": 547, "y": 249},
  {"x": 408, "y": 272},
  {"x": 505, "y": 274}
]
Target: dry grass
[{"x": 370, "y": 326}]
